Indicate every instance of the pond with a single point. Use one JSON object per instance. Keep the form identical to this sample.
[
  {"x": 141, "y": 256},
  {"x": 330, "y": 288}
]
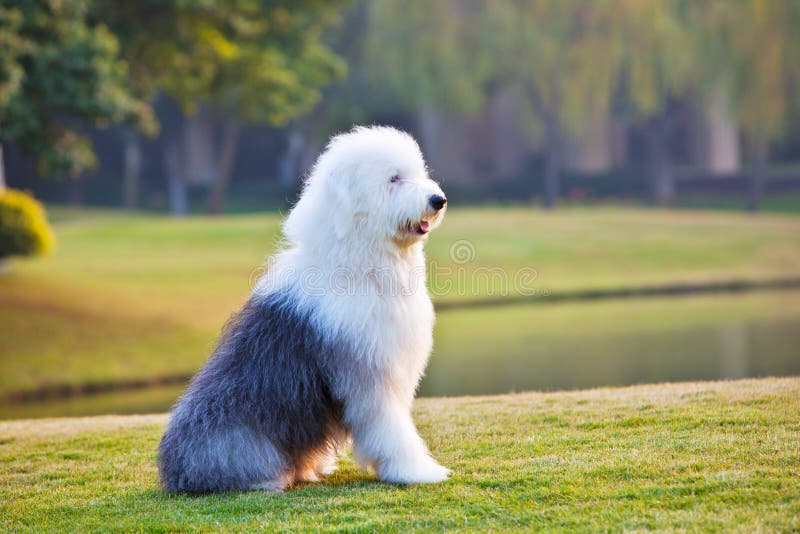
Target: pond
[
  {"x": 569, "y": 345},
  {"x": 615, "y": 343}
]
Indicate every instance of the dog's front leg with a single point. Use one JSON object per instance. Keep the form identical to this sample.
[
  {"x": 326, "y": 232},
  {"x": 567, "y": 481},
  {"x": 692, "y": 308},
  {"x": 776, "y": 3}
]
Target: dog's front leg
[{"x": 385, "y": 438}]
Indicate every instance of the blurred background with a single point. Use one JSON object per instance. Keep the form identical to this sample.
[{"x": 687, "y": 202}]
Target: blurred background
[{"x": 623, "y": 179}]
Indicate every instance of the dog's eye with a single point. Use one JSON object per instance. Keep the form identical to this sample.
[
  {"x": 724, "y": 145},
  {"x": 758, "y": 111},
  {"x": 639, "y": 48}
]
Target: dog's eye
[{"x": 394, "y": 179}]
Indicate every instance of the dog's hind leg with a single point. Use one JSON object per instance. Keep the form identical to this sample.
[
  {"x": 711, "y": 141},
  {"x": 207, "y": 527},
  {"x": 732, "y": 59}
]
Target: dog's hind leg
[
  {"x": 327, "y": 464},
  {"x": 304, "y": 467},
  {"x": 275, "y": 485},
  {"x": 317, "y": 465}
]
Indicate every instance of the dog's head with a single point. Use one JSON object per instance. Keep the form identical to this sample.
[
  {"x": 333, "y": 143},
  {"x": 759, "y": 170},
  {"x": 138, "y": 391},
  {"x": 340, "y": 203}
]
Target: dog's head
[{"x": 369, "y": 185}]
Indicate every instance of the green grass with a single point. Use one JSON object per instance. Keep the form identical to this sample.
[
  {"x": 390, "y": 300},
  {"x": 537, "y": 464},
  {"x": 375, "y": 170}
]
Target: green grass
[
  {"x": 145, "y": 295},
  {"x": 681, "y": 457}
]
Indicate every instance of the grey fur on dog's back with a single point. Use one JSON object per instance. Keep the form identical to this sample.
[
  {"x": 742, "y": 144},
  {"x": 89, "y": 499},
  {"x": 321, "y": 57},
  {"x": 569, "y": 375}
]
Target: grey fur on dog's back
[{"x": 261, "y": 402}]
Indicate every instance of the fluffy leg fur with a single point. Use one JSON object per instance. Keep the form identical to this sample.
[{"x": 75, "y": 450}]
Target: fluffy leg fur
[
  {"x": 327, "y": 464},
  {"x": 385, "y": 438}
]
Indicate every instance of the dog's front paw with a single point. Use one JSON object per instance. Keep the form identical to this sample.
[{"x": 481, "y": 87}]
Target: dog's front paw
[{"x": 422, "y": 471}]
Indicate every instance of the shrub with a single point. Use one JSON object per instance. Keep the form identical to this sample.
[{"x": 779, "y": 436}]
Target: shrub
[{"x": 24, "y": 230}]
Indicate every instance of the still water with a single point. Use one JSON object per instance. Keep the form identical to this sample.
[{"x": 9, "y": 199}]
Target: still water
[{"x": 566, "y": 346}]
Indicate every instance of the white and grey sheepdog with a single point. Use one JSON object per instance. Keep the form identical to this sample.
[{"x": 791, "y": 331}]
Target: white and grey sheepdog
[{"x": 333, "y": 340}]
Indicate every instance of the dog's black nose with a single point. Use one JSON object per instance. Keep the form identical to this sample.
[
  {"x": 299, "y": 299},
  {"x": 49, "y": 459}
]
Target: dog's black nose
[{"x": 437, "y": 202}]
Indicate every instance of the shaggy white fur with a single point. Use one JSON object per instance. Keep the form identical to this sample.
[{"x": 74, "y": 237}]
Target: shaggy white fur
[{"x": 355, "y": 249}]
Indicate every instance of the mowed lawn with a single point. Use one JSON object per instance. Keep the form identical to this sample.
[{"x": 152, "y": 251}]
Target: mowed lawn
[
  {"x": 129, "y": 296},
  {"x": 721, "y": 457}
]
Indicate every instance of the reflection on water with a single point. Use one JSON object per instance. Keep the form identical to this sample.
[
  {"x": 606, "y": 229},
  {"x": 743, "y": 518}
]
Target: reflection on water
[
  {"x": 727, "y": 351},
  {"x": 566, "y": 346},
  {"x": 612, "y": 343}
]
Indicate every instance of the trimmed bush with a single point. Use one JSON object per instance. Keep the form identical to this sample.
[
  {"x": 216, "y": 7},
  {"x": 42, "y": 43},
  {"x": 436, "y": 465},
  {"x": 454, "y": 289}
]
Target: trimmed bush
[{"x": 24, "y": 230}]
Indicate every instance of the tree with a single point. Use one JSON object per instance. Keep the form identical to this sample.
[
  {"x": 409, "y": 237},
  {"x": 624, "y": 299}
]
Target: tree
[
  {"x": 455, "y": 54},
  {"x": 656, "y": 67},
  {"x": 405, "y": 60},
  {"x": 11, "y": 72},
  {"x": 61, "y": 72},
  {"x": 147, "y": 33},
  {"x": 763, "y": 69},
  {"x": 562, "y": 54},
  {"x": 273, "y": 71},
  {"x": 231, "y": 61},
  {"x": 743, "y": 55}
]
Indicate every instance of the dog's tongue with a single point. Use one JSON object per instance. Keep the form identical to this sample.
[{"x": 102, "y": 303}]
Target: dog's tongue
[{"x": 423, "y": 227}]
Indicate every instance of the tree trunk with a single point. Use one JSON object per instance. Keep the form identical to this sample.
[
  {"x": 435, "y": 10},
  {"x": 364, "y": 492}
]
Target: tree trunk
[
  {"x": 76, "y": 185},
  {"x": 199, "y": 147},
  {"x": 176, "y": 181},
  {"x": 178, "y": 198},
  {"x": 552, "y": 163},
  {"x": 662, "y": 183},
  {"x": 2, "y": 171},
  {"x": 132, "y": 160},
  {"x": 721, "y": 135},
  {"x": 227, "y": 161},
  {"x": 758, "y": 177},
  {"x": 553, "y": 140},
  {"x": 592, "y": 150},
  {"x": 291, "y": 160}
]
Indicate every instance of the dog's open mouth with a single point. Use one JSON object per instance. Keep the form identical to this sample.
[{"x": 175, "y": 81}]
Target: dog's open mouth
[{"x": 421, "y": 227}]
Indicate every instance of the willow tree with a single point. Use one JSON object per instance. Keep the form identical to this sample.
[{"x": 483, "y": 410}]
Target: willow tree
[
  {"x": 763, "y": 66},
  {"x": 422, "y": 58},
  {"x": 744, "y": 54},
  {"x": 563, "y": 56},
  {"x": 657, "y": 65}
]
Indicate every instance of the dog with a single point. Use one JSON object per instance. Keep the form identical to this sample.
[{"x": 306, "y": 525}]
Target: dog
[{"x": 332, "y": 342}]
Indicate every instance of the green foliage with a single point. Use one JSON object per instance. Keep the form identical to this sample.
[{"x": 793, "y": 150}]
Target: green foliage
[
  {"x": 68, "y": 63},
  {"x": 425, "y": 53},
  {"x": 24, "y": 230},
  {"x": 258, "y": 61},
  {"x": 657, "y": 55},
  {"x": 762, "y": 64},
  {"x": 562, "y": 54},
  {"x": 577, "y": 60},
  {"x": 12, "y": 45},
  {"x": 61, "y": 72},
  {"x": 745, "y": 51}
]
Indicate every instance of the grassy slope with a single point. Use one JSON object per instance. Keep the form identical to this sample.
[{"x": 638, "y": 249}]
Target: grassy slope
[
  {"x": 145, "y": 295},
  {"x": 698, "y": 456}
]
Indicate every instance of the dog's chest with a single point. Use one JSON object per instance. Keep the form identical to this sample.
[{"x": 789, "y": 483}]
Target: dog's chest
[
  {"x": 385, "y": 327},
  {"x": 401, "y": 330}
]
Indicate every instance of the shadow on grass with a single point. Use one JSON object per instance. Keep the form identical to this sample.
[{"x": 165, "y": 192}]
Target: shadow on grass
[
  {"x": 346, "y": 497},
  {"x": 349, "y": 483}
]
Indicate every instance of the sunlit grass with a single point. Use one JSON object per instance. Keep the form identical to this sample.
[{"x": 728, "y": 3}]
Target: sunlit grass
[{"x": 685, "y": 457}]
